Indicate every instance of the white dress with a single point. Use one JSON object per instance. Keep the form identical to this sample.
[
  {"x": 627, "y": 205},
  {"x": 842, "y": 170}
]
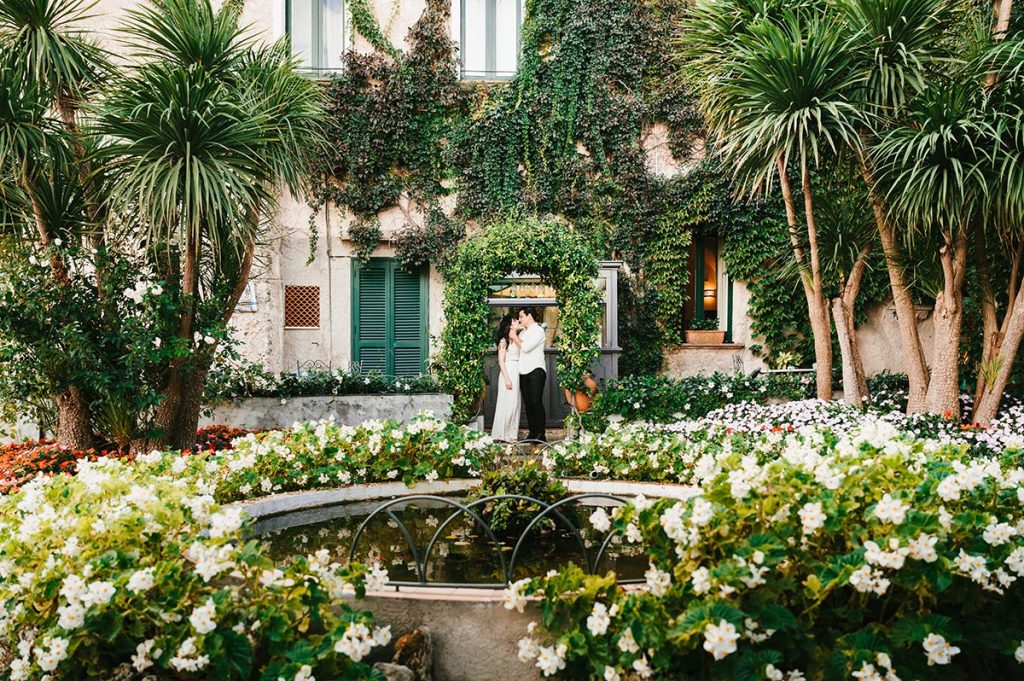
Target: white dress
[{"x": 506, "y": 409}]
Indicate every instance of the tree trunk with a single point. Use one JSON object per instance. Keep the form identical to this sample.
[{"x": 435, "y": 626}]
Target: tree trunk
[
  {"x": 817, "y": 309},
  {"x": 855, "y": 385},
  {"x": 74, "y": 426},
  {"x": 944, "y": 386},
  {"x": 903, "y": 302},
  {"x": 989, "y": 396},
  {"x": 177, "y": 418}
]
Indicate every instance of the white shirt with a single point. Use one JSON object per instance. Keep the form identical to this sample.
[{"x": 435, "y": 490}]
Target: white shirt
[{"x": 531, "y": 352}]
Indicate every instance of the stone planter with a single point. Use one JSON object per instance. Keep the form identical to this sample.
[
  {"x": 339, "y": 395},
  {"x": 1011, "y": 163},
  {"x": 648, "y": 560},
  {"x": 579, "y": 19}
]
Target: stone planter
[
  {"x": 262, "y": 413},
  {"x": 694, "y": 337}
]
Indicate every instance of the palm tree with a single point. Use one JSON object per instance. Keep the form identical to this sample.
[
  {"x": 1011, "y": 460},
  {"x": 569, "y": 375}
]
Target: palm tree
[
  {"x": 895, "y": 43},
  {"x": 934, "y": 168},
  {"x": 199, "y": 137},
  {"x": 1001, "y": 63},
  {"x": 47, "y": 66},
  {"x": 774, "y": 87}
]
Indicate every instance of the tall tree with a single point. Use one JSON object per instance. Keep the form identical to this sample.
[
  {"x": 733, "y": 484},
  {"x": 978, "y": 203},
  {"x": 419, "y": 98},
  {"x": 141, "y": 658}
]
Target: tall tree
[
  {"x": 895, "y": 42},
  {"x": 774, "y": 87},
  {"x": 199, "y": 138},
  {"x": 48, "y": 69}
]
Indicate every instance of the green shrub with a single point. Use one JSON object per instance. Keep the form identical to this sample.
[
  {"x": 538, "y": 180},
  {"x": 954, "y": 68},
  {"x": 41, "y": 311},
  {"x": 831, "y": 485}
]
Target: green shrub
[
  {"x": 525, "y": 479},
  {"x": 323, "y": 454},
  {"x": 133, "y": 568},
  {"x": 811, "y": 555},
  {"x": 659, "y": 399}
]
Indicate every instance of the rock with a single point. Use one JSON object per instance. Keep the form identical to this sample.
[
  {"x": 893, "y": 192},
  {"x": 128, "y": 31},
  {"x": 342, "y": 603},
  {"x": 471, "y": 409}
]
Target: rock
[
  {"x": 415, "y": 650},
  {"x": 395, "y": 672}
]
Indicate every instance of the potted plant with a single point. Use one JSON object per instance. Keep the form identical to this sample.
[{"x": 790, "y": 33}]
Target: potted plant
[
  {"x": 704, "y": 332},
  {"x": 581, "y": 400}
]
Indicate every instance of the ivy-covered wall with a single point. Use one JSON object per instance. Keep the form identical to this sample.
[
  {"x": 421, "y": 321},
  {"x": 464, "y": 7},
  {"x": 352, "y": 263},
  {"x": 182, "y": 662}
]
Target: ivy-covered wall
[{"x": 567, "y": 135}]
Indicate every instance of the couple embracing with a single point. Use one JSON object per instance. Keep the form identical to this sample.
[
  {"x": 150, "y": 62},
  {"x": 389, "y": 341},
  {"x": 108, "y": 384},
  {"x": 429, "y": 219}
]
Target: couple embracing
[{"x": 520, "y": 339}]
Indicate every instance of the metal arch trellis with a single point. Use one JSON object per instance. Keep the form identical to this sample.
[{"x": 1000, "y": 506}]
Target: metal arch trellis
[{"x": 421, "y": 560}]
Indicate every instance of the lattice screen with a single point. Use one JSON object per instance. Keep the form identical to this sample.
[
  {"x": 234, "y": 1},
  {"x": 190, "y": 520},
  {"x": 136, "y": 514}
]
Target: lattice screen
[{"x": 302, "y": 307}]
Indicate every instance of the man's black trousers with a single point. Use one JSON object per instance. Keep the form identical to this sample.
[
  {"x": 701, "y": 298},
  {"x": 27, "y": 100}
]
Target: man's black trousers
[{"x": 531, "y": 386}]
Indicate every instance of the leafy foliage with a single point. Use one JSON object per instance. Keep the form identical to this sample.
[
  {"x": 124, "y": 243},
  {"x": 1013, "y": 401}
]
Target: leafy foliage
[
  {"x": 819, "y": 552},
  {"x": 549, "y": 249}
]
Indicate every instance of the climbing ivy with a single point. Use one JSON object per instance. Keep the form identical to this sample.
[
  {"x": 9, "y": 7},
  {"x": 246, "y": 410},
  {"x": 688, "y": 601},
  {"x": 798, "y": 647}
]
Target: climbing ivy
[
  {"x": 391, "y": 116},
  {"x": 568, "y": 135},
  {"x": 548, "y": 248}
]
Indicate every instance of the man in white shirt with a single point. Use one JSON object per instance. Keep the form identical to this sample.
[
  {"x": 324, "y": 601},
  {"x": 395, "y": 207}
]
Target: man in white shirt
[{"x": 532, "y": 373}]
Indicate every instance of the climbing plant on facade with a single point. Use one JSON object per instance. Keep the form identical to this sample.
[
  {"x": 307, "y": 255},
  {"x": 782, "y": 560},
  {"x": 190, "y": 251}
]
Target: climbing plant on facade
[{"x": 556, "y": 253}]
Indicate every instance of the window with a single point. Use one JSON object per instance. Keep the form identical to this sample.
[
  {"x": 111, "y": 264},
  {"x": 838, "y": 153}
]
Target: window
[
  {"x": 488, "y": 35},
  {"x": 302, "y": 307},
  {"x": 317, "y": 31},
  {"x": 389, "y": 317},
  {"x": 710, "y": 287}
]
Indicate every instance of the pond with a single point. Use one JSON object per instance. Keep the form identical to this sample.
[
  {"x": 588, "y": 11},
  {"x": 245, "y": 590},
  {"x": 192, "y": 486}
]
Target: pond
[{"x": 464, "y": 551}]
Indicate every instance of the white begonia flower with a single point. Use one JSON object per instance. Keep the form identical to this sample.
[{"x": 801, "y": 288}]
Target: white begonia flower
[
  {"x": 141, "y": 581},
  {"x": 890, "y": 510},
  {"x": 70, "y": 616},
  {"x": 203, "y": 618},
  {"x": 998, "y": 534},
  {"x": 528, "y": 649},
  {"x": 974, "y": 567},
  {"x": 98, "y": 593},
  {"x": 377, "y": 578},
  {"x": 551, "y": 659},
  {"x": 627, "y": 643},
  {"x": 226, "y": 523},
  {"x": 701, "y": 580},
  {"x": 141, "y": 660},
  {"x": 720, "y": 639},
  {"x": 867, "y": 672},
  {"x": 611, "y": 674},
  {"x": 305, "y": 673},
  {"x": 702, "y": 512},
  {"x": 812, "y": 518},
  {"x": 923, "y": 548},
  {"x": 938, "y": 650},
  {"x": 598, "y": 621},
  {"x": 658, "y": 581},
  {"x": 642, "y": 668},
  {"x": 600, "y": 521},
  {"x": 771, "y": 673},
  {"x": 514, "y": 598},
  {"x": 1018, "y": 654}
]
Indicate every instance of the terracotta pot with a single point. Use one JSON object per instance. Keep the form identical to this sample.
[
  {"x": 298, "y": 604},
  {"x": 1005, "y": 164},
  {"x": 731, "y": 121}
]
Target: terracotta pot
[
  {"x": 580, "y": 400},
  {"x": 697, "y": 337}
]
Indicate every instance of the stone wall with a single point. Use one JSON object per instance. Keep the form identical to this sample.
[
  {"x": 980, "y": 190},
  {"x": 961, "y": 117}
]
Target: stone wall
[{"x": 261, "y": 413}]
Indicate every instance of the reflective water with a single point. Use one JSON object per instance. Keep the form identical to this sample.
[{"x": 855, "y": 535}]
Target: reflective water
[{"x": 463, "y": 551}]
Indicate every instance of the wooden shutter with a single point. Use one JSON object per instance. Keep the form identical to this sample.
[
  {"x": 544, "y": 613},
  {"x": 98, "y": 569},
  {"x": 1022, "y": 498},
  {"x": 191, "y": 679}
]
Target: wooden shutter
[
  {"x": 409, "y": 326},
  {"x": 370, "y": 317},
  {"x": 390, "y": 318}
]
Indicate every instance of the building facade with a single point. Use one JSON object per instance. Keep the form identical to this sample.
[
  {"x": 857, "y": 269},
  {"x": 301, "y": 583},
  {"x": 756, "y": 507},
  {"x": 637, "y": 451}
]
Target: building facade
[{"x": 319, "y": 306}]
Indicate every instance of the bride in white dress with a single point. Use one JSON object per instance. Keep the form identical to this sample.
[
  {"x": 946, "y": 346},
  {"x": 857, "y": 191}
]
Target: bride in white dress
[{"x": 506, "y": 409}]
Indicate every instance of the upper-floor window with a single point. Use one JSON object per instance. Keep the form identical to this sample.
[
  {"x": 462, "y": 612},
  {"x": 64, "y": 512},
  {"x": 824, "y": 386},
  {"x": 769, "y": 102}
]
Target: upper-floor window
[
  {"x": 488, "y": 36},
  {"x": 317, "y": 30}
]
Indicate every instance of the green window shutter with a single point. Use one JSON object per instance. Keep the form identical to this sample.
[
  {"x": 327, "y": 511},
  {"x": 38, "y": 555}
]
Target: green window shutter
[
  {"x": 409, "y": 319},
  {"x": 389, "y": 318},
  {"x": 370, "y": 317}
]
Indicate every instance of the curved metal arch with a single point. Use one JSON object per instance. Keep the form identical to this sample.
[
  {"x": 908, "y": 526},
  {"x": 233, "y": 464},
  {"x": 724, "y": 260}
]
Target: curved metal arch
[
  {"x": 421, "y": 564},
  {"x": 508, "y": 573},
  {"x": 540, "y": 516}
]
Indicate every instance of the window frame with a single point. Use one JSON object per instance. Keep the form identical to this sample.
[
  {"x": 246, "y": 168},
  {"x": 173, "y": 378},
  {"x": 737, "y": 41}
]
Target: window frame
[
  {"x": 490, "y": 42},
  {"x": 317, "y": 68}
]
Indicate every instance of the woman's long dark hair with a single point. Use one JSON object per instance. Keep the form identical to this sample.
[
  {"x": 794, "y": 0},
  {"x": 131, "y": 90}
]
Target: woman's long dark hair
[{"x": 504, "y": 326}]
